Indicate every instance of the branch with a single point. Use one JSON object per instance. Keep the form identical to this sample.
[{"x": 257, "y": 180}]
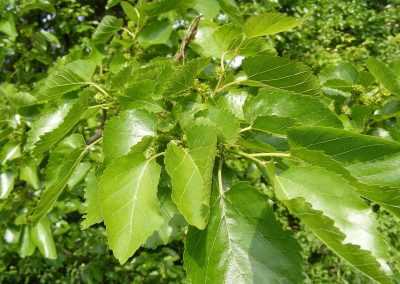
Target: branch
[
  {"x": 99, "y": 133},
  {"x": 189, "y": 36}
]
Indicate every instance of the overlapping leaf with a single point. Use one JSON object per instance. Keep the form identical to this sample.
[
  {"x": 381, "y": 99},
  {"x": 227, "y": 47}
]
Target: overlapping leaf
[
  {"x": 126, "y": 130},
  {"x": 63, "y": 161},
  {"x": 269, "y": 23},
  {"x": 328, "y": 205},
  {"x": 173, "y": 222},
  {"x": 242, "y": 242},
  {"x": 184, "y": 76},
  {"x": 280, "y": 73},
  {"x": 384, "y": 75},
  {"x": 141, "y": 95},
  {"x": 370, "y": 160},
  {"x": 303, "y": 109},
  {"x": 227, "y": 125},
  {"x": 190, "y": 171},
  {"x": 93, "y": 214},
  {"x": 43, "y": 238},
  {"x": 66, "y": 79},
  {"x": 163, "y": 6},
  {"x": 106, "y": 29},
  {"x": 52, "y": 128},
  {"x": 128, "y": 197}
]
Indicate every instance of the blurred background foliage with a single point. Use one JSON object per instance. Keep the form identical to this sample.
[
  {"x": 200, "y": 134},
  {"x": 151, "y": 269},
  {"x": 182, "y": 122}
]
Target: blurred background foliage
[{"x": 37, "y": 34}]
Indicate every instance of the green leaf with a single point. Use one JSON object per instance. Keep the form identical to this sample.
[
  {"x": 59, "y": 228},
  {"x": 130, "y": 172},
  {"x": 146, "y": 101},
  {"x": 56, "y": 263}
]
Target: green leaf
[
  {"x": 50, "y": 129},
  {"x": 209, "y": 8},
  {"x": 190, "y": 171},
  {"x": 172, "y": 225},
  {"x": 370, "y": 160},
  {"x": 184, "y": 76},
  {"x": 341, "y": 71},
  {"x": 106, "y": 29},
  {"x": 26, "y": 246},
  {"x": 112, "y": 3},
  {"x": 7, "y": 26},
  {"x": 43, "y": 239},
  {"x": 41, "y": 5},
  {"x": 163, "y": 6},
  {"x": 29, "y": 174},
  {"x": 157, "y": 32},
  {"x": 269, "y": 23},
  {"x": 63, "y": 161},
  {"x": 328, "y": 205},
  {"x": 204, "y": 43},
  {"x": 93, "y": 214},
  {"x": 228, "y": 37},
  {"x": 234, "y": 101},
  {"x": 242, "y": 243},
  {"x": 10, "y": 151},
  {"x": 140, "y": 95},
  {"x": 6, "y": 184},
  {"x": 384, "y": 75},
  {"x": 303, "y": 109},
  {"x": 125, "y": 130},
  {"x": 79, "y": 174},
  {"x": 66, "y": 79},
  {"x": 230, "y": 7},
  {"x": 225, "y": 122},
  {"x": 131, "y": 12},
  {"x": 273, "y": 124},
  {"x": 280, "y": 73},
  {"x": 128, "y": 198}
]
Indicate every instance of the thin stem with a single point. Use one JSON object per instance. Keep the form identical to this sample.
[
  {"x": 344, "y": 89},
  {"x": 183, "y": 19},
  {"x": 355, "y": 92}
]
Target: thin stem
[
  {"x": 99, "y": 133},
  {"x": 101, "y": 105},
  {"x": 129, "y": 32},
  {"x": 100, "y": 89},
  {"x": 227, "y": 85},
  {"x": 220, "y": 184},
  {"x": 281, "y": 155},
  {"x": 245, "y": 129},
  {"x": 93, "y": 143},
  {"x": 224, "y": 70},
  {"x": 248, "y": 156},
  {"x": 155, "y": 156}
]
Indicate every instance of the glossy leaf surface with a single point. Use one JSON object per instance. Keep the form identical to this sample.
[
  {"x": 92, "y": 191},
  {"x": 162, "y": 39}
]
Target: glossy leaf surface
[
  {"x": 242, "y": 242},
  {"x": 128, "y": 198}
]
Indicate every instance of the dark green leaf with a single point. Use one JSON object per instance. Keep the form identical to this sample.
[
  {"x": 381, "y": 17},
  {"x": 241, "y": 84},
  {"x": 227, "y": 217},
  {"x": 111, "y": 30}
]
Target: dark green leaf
[
  {"x": 184, "y": 76},
  {"x": 327, "y": 204},
  {"x": 303, "y": 109},
  {"x": 63, "y": 161},
  {"x": 173, "y": 222},
  {"x": 280, "y": 73},
  {"x": 242, "y": 243}
]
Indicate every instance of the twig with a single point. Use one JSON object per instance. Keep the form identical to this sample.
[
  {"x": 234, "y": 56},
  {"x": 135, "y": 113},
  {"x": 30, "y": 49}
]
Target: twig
[
  {"x": 189, "y": 36},
  {"x": 99, "y": 133}
]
